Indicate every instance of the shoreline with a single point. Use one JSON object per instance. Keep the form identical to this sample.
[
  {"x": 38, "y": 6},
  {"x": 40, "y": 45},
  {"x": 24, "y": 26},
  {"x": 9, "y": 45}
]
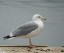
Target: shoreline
[{"x": 26, "y": 49}]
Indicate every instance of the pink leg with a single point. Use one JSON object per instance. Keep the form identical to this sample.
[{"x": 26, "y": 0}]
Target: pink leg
[{"x": 30, "y": 44}]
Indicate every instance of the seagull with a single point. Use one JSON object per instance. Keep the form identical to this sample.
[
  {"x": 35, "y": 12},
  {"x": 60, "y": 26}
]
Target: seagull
[{"x": 29, "y": 29}]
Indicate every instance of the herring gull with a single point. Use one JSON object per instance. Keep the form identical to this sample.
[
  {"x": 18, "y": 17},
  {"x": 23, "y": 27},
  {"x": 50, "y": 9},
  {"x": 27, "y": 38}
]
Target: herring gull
[{"x": 29, "y": 29}]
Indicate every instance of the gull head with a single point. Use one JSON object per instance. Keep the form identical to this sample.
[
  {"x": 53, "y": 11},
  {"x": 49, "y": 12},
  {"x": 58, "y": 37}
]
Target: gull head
[{"x": 38, "y": 17}]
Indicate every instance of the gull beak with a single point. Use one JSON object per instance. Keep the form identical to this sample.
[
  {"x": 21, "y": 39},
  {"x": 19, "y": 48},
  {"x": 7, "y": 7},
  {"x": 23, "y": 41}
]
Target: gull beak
[{"x": 43, "y": 18}]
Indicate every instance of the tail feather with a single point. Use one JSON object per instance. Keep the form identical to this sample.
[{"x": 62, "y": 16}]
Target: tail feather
[{"x": 7, "y": 37}]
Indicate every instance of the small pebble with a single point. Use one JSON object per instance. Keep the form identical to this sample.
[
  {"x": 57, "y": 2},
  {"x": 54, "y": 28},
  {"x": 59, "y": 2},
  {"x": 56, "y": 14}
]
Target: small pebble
[
  {"x": 12, "y": 50},
  {"x": 29, "y": 50},
  {"x": 48, "y": 49},
  {"x": 35, "y": 52},
  {"x": 41, "y": 50},
  {"x": 37, "y": 49},
  {"x": 62, "y": 50}
]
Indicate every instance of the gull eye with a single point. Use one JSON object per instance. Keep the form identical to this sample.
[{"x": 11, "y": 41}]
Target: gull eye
[{"x": 39, "y": 17}]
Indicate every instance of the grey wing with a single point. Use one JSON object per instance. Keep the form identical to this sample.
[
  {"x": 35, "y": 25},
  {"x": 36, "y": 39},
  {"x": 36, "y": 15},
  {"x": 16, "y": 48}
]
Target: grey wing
[{"x": 25, "y": 29}]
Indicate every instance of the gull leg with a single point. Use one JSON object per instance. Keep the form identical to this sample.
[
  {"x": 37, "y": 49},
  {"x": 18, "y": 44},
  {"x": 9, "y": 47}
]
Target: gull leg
[{"x": 30, "y": 44}]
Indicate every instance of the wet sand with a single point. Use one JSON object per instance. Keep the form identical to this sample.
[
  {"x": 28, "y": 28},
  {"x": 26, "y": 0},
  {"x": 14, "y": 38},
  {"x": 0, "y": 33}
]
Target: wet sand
[{"x": 25, "y": 49}]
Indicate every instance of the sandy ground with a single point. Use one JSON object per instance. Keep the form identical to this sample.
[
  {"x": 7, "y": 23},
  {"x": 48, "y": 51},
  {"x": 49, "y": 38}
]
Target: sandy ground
[{"x": 33, "y": 50}]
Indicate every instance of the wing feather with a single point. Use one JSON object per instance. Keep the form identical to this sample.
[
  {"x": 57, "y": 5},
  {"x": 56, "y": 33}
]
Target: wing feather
[{"x": 25, "y": 29}]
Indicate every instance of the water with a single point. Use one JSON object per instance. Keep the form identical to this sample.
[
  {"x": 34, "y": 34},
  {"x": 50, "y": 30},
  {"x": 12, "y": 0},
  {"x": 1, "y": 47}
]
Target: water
[{"x": 13, "y": 13}]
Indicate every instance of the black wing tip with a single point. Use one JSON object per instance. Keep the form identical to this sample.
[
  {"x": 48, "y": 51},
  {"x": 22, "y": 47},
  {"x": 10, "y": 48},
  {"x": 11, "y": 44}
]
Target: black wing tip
[{"x": 6, "y": 37}]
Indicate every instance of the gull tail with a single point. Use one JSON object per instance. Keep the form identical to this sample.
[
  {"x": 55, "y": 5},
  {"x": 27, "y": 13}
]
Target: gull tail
[{"x": 7, "y": 37}]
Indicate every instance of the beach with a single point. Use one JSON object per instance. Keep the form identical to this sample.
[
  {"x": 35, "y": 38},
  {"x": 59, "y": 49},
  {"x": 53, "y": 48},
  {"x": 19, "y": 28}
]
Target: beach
[{"x": 25, "y": 49}]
